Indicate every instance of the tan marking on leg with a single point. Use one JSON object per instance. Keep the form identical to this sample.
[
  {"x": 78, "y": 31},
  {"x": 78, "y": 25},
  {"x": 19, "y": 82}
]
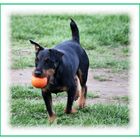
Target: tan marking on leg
[
  {"x": 78, "y": 87},
  {"x": 80, "y": 93},
  {"x": 81, "y": 99},
  {"x": 52, "y": 118},
  {"x": 80, "y": 75}
]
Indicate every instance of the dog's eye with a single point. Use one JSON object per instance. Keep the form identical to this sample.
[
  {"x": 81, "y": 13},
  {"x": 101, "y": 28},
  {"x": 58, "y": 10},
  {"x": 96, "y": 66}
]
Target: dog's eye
[{"x": 47, "y": 60}]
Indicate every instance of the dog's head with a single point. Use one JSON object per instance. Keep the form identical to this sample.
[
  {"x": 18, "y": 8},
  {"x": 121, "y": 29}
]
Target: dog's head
[{"x": 46, "y": 60}]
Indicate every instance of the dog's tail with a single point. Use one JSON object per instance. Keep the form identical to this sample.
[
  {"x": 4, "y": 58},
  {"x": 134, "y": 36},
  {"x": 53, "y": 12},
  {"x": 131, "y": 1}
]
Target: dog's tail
[{"x": 75, "y": 31}]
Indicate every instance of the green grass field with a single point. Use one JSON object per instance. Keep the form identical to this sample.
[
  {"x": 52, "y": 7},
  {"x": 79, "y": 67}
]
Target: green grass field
[
  {"x": 28, "y": 109},
  {"x": 105, "y": 38}
]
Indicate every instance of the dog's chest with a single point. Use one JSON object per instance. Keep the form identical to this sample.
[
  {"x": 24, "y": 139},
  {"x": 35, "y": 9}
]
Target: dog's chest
[{"x": 56, "y": 85}]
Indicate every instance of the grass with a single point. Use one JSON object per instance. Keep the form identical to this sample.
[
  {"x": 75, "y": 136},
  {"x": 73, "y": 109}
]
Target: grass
[
  {"x": 122, "y": 98},
  {"x": 28, "y": 109},
  {"x": 112, "y": 58},
  {"x": 101, "y": 78},
  {"x": 105, "y": 38},
  {"x": 91, "y": 95}
]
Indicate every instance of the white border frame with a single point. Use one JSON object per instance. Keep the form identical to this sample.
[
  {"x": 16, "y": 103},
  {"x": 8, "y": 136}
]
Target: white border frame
[{"x": 7, "y": 10}]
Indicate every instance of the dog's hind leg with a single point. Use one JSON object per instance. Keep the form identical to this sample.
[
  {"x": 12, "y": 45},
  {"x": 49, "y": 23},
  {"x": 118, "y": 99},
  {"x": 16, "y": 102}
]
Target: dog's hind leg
[
  {"x": 82, "y": 97},
  {"x": 81, "y": 92},
  {"x": 78, "y": 87},
  {"x": 71, "y": 95}
]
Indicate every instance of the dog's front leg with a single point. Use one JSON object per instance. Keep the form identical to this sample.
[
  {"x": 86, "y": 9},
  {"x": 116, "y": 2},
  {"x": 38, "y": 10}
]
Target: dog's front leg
[
  {"x": 71, "y": 95},
  {"x": 48, "y": 102}
]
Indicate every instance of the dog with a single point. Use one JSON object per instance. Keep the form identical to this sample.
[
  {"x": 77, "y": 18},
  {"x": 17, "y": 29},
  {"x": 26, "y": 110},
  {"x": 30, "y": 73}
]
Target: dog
[{"x": 66, "y": 67}]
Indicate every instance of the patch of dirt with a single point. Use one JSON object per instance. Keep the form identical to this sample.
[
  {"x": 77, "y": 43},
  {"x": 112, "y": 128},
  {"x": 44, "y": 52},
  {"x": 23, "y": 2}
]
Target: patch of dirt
[{"x": 114, "y": 85}]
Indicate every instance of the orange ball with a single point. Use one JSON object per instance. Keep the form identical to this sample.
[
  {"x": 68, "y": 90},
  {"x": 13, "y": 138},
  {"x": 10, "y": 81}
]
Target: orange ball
[{"x": 39, "y": 82}]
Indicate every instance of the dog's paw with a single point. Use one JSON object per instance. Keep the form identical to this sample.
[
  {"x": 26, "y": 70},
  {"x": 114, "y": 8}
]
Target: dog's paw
[
  {"x": 71, "y": 112},
  {"x": 81, "y": 103},
  {"x": 52, "y": 118}
]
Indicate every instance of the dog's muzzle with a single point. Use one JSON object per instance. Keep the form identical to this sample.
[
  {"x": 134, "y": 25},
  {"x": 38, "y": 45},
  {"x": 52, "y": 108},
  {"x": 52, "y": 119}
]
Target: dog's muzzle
[{"x": 38, "y": 73}]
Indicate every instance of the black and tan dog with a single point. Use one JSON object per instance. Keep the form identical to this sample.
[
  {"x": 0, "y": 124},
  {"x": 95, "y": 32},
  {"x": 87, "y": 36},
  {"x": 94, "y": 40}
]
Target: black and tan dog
[{"x": 66, "y": 67}]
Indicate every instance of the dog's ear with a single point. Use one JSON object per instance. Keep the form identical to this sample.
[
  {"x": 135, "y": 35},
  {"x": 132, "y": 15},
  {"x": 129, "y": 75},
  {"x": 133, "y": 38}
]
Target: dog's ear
[
  {"x": 37, "y": 46},
  {"x": 57, "y": 54}
]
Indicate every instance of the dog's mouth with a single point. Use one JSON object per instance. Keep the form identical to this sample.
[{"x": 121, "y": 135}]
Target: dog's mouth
[{"x": 49, "y": 73}]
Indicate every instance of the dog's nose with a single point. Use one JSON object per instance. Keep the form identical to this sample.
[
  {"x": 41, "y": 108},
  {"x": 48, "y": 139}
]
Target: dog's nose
[{"x": 38, "y": 73}]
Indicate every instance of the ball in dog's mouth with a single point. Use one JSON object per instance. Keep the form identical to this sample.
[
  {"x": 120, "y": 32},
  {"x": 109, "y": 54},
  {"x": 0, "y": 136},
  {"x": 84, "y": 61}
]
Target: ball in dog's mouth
[{"x": 39, "y": 82}]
